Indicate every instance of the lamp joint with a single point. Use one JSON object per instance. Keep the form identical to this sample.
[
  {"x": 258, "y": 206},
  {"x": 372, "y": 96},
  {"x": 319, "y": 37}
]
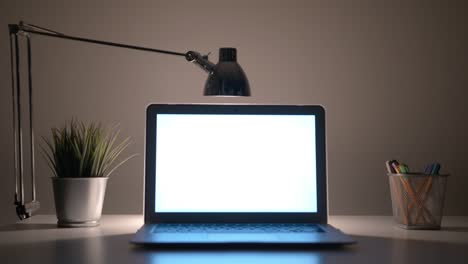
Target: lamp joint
[{"x": 13, "y": 28}]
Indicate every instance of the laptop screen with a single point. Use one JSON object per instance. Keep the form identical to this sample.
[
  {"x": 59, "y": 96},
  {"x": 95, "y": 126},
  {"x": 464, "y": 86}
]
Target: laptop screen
[{"x": 215, "y": 163}]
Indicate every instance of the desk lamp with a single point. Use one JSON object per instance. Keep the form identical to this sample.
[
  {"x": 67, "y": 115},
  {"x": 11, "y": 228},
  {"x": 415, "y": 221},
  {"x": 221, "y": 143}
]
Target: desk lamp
[{"x": 226, "y": 78}]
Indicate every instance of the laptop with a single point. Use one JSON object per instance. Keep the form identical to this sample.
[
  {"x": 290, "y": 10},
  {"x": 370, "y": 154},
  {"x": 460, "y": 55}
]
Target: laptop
[{"x": 236, "y": 174}]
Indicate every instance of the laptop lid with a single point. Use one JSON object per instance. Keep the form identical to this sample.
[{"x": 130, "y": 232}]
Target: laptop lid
[{"x": 235, "y": 163}]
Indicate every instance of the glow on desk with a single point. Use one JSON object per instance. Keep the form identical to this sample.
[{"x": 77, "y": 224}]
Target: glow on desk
[{"x": 38, "y": 240}]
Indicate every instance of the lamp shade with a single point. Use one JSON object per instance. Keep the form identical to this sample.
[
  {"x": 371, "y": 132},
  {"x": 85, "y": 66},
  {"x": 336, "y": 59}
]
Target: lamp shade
[{"x": 227, "y": 78}]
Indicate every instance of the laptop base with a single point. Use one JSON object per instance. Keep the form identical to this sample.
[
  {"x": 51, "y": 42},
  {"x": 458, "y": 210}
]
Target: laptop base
[{"x": 148, "y": 235}]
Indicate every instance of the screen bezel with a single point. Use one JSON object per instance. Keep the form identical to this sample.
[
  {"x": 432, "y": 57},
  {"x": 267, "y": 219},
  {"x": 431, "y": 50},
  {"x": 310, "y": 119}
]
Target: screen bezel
[{"x": 224, "y": 217}]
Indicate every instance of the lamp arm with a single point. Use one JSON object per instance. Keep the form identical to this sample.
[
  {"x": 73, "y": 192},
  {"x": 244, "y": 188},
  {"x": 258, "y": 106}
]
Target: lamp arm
[
  {"x": 192, "y": 56},
  {"x": 26, "y": 209},
  {"x": 201, "y": 60},
  {"x": 22, "y": 27}
]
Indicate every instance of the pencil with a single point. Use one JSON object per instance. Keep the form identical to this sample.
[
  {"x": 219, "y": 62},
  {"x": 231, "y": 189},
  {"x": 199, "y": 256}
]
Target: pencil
[{"x": 403, "y": 208}]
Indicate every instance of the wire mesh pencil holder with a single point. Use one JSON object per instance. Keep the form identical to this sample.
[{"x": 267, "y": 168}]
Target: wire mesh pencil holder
[{"x": 417, "y": 199}]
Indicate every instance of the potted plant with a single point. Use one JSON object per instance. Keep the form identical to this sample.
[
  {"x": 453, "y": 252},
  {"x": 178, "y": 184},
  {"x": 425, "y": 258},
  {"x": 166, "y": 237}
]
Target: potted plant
[{"x": 81, "y": 156}]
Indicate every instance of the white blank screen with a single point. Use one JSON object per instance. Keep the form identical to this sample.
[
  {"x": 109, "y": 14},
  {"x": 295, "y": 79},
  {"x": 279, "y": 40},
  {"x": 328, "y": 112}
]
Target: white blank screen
[{"x": 235, "y": 163}]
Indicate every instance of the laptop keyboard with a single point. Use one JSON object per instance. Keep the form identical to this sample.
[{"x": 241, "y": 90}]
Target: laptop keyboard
[{"x": 237, "y": 228}]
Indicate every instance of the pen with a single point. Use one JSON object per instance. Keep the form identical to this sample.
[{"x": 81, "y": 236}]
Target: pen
[
  {"x": 428, "y": 169},
  {"x": 403, "y": 168},
  {"x": 435, "y": 169},
  {"x": 388, "y": 164},
  {"x": 396, "y": 167}
]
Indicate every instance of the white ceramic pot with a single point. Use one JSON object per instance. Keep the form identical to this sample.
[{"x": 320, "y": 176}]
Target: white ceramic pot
[{"x": 78, "y": 201}]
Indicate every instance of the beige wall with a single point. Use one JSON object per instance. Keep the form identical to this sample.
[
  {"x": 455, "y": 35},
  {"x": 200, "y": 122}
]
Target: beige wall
[{"x": 391, "y": 74}]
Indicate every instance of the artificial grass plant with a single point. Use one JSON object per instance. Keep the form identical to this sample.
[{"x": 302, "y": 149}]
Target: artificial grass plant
[{"x": 81, "y": 149}]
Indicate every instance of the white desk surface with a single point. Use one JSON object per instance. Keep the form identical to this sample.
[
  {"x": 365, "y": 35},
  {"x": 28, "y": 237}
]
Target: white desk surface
[{"x": 38, "y": 240}]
